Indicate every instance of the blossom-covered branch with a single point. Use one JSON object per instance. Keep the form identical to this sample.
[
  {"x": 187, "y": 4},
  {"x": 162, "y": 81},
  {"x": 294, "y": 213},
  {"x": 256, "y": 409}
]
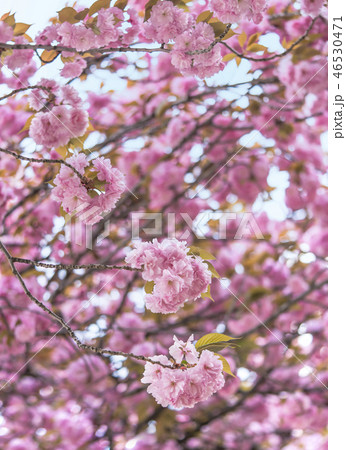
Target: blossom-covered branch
[{"x": 158, "y": 162}]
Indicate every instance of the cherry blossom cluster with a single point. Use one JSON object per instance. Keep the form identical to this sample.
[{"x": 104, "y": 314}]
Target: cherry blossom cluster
[
  {"x": 6, "y": 32},
  {"x": 197, "y": 39},
  {"x": 105, "y": 30},
  {"x": 193, "y": 377},
  {"x": 60, "y": 117},
  {"x": 312, "y": 7},
  {"x": 230, "y": 11},
  {"x": 177, "y": 276},
  {"x": 167, "y": 22},
  {"x": 194, "y": 51},
  {"x": 73, "y": 193},
  {"x": 291, "y": 74}
]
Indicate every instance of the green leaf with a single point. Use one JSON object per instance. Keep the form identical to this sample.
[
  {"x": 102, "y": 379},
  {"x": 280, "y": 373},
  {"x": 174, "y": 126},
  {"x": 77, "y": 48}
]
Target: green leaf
[
  {"x": 204, "y": 254},
  {"x": 257, "y": 292},
  {"x": 242, "y": 38},
  {"x": 162, "y": 108},
  {"x": 99, "y": 4},
  {"x": 48, "y": 56},
  {"x": 228, "y": 35},
  {"x": 181, "y": 4},
  {"x": 77, "y": 142},
  {"x": 214, "y": 342},
  {"x": 95, "y": 29},
  {"x": 257, "y": 48},
  {"x": 253, "y": 38},
  {"x": 10, "y": 20},
  {"x": 100, "y": 185},
  {"x": 27, "y": 124},
  {"x": 148, "y": 8},
  {"x": 92, "y": 193},
  {"x": 121, "y": 4},
  {"x": 63, "y": 213},
  {"x": 67, "y": 15},
  {"x": 226, "y": 367},
  {"x": 229, "y": 57},
  {"x": 207, "y": 294},
  {"x": 31, "y": 273},
  {"x": 90, "y": 173},
  {"x": 65, "y": 59},
  {"x": 82, "y": 14},
  {"x": 205, "y": 16},
  {"x": 212, "y": 269},
  {"x": 62, "y": 151},
  {"x": 20, "y": 28},
  {"x": 303, "y": 53},
  {"x": 149, "y": 287},
  {"x": 218, "y": 27}
]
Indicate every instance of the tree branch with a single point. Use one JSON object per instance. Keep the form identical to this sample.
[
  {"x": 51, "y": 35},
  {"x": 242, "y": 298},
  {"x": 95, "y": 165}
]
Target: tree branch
[
  {"x": 65, "y": 325},
  {"x": 280, "y": 55},
  {"x": 15, "y": 91},
  {"x": 61, "y": 48},
  {"x": 45, "y": 160},
  {"x": 72, "y": 266}
]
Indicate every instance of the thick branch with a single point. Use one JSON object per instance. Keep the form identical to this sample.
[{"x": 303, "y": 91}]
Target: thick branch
[
  {"x": 61, "y": 48},
  {"x": 72, "y": 266}
]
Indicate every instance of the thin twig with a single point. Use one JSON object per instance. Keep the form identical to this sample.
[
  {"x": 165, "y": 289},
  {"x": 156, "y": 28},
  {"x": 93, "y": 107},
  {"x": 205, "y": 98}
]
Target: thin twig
[
  {"x": 44, "y": 160},
  {"x": 280, "y": 55},
  {"x": 212, "y": 45},
  {"x": 15, "y": 91}
]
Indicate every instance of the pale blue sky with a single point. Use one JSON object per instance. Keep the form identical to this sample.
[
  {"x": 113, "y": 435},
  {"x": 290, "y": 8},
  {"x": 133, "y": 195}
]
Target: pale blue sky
[{"x": 35, "y": 12}]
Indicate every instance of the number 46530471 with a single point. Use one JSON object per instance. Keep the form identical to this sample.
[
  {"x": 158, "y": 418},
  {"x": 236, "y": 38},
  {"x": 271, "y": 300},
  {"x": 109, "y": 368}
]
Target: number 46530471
[{"x": 337, "y": 50}]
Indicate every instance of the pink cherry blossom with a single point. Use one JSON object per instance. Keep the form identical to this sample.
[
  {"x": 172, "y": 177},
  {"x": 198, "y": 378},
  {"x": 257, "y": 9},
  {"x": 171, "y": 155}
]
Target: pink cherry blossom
[
  {"x": 62, "y": 122},
  {"x": 6, "y": 32},
  {"x": 184, "y": 350},
  {"x": 166, "y": 22},
  {"x": 73, "y": 69},
  {"x": 185, "y": 386},
  {"x": 234, "y": 10},
  {"x": 76, "y": 36},
  {"x": 70, "y": 191},
  {"x": 50, "y": 128},
  {"x": 311, "y": 7},
  {"x": 178, "y": 277},
  {"x": 48, "y": 35},
  {"x": 197, "y": 39},
  {"x": 108, "y": 22}
]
